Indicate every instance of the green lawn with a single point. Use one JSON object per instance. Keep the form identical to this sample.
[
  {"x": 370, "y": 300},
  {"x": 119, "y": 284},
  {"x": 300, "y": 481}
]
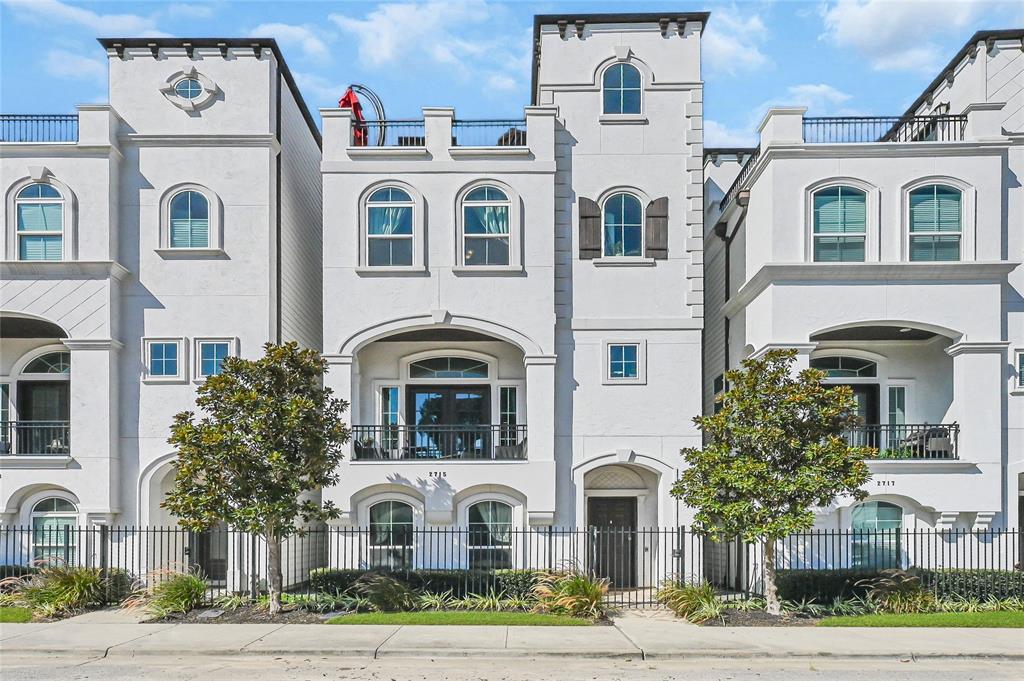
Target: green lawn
[
  {"x": 9, "y": 615},
  {"x": 930, "y": 619},
  {"x": 461, "y": 617}
]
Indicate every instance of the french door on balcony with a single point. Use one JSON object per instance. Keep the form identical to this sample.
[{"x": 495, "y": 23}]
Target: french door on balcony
[
  {"x": 43, "y": 413},
  {"x": 447, "y": 421},
  {"x": 866, "y": 396}
]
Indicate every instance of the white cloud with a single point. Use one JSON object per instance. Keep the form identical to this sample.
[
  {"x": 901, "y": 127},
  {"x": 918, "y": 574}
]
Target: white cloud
[
  {"x": 303, "y": 37},
  {"x": 460, "y": 36},
  {"x": 108, "y": 25},
  {"x": 899, "y": 36},
  {"x": 816, "y": 96},
  {"x": 730, "y": 42},
  {"x": 64, "y": 64},
  {"x": 317, "y": 90},
  {"x": 193, "y": 10},
  {"x": 719, "y": 135}
]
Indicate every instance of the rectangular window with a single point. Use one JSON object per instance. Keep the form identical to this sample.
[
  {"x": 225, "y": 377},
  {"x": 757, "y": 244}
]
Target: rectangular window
[
  {"x": 6, "y": 435},
  {"x": 211, "y": 356},
  {"x": 163, "y": 359},
  {"x": 389, "y": 236},
  {"x": 486, "y": 230},
  {"x": 389, "y": 418},
  {"x": 1020, "y": 369},
  {"x": 897, "y": 416},
  {"x": 509, "y": 415},
  {"x": 935, "y": 224},
  {"x": 53, "y": 539},
  {"x": 623, "y": 361}
]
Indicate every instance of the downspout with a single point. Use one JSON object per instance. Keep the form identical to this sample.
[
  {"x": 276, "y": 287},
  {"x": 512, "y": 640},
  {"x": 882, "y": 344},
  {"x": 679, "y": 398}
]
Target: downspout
[{"x": 721, "y": 231}]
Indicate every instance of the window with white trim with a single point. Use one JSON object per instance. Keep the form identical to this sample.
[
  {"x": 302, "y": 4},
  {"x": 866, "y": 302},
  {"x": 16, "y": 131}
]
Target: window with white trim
[
  {"x": 623, "y": 360},
  {"x": 622, "y": 89},
  {"x": 623, "y": 234},
  {"x": 164, "y": 359},
  {"x": 936, "y": 223},
  {"x": 486, "y": 234},
  {"x": 389, "y": 416},
  {"x": 389, "y": 228},
  {"x": 490, "y": 536},
  {"x": 189, "y": 220},
  {"x": 54, "y": 522},
  {"x": 840, "y": 224},
  {"x": 1020, "y": 369},
  {"x": 391, "y": 533},
  {"x": 210, "y": 355},
  {"x": 40, "y": 222}
]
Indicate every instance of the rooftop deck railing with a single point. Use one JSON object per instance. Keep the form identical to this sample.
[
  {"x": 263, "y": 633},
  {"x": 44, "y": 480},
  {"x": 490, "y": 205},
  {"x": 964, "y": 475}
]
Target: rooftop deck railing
[
  {"x": 389, "y": 133},
  {"x": 38, "y": 127},
  {"x": 854, "y": 129},
  {"x": 504, "y": 133}
]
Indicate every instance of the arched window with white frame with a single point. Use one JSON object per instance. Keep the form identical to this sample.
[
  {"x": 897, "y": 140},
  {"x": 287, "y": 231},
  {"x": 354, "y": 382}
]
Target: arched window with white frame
[
  {"x": 189, "y": 220},
  {"x": 391, "y": 535},
  {"x": 876, "y": 528},
  {"x": 840, "y": 224},
  {"x": 622, "y": 88},
  {"x": 40, "y": 222},
  {"x": 490, "y": 535},
  {"x": 623, "y": 219},
  {"x": 936, "y": 223},
  {"x": 389, "y": 228},
  {"x": 54, "y": 531},
  {"x": 486, "y": 227}
]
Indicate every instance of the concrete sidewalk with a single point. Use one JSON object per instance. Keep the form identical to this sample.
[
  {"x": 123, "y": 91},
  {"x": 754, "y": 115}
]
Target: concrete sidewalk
[{"x": 630, "y": 638}]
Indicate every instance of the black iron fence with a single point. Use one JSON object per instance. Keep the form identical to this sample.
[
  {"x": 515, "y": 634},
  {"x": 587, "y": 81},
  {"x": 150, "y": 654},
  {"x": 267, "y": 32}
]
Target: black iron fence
[
  {"x": 35, "y": 437},
  {"x": 908, "y": 441},
  {"x": 744, "y": 173},
  {"x": 506, "y": 442},
  {"x": 477, "y": 559},
  {"x": 38, "y": 127},
  {"x": 850, "y": 129},
  {"x": 510, "y": 133},
  {"x": 389, "y": 133}
]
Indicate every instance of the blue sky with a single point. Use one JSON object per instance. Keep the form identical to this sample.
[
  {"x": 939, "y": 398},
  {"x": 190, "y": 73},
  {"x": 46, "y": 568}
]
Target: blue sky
[{"x": 835, "y": 56}]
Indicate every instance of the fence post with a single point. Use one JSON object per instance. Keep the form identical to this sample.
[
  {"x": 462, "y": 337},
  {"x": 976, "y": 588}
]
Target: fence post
[
  {"x": 254, "y": 567},
  {"x": 105, "y": 558},
  {"x": 67, "y": 544}
]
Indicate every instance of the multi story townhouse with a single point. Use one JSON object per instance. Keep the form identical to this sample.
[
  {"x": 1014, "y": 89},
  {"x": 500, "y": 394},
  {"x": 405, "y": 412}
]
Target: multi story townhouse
[
  {"x": 514, "y": 307},
  {"x": 886, "y": 252},
  {"x": 144, "y": 240}
]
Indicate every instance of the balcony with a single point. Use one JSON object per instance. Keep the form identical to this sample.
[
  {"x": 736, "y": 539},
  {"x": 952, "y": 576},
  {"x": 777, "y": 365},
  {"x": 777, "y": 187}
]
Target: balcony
[
  {"x": 39, "y": 128},
  {"x": 391, "y": 133},
  {"x": 510, "y": 133},
  {"x": 412, "y": 133},
  {"x": 908, "y": 442},
  {"x": 439, "y": 443},
  {"x": 35, "y": 438},
  {"x": 861, "y": 129}
]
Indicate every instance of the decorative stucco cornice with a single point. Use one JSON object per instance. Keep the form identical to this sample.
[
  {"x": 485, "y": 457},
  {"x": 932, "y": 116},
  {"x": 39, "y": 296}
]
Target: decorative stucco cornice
[
  {"x": 63, "y": 269},
  {"x": 841, "y": 273},
  {"x": 268, "y": 140},
  {"x": 92, "y": 344},
  {"x": 616, "y": 324},
  {"x": 979, "y": 348}
]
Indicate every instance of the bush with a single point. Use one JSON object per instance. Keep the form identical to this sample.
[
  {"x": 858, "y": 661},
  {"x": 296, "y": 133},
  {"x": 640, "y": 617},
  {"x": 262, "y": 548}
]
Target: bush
[
  {"x": 54, "y": 590},
  {"x": 822, "y": 586},
  {"x": 459, "y": 582},
  {"x": 825, "y": 586},
  {"x": 168, "y": 592},
  {"x": 516, "y": 584},
  {"x": 981, "y": 584},
  {"x": 16, "y": 570},
  {"x": 384, "y": 592},
  {"x": 573, "y": 593},
  {"x": 693, "y": 602}
]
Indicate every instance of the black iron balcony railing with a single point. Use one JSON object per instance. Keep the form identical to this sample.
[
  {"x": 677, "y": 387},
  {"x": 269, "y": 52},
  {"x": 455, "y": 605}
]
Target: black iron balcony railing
[
  {"x": 510, "y": 133},
  {"x": 413, "y": 443},
  {"x": 737, "y": 184},
  {"x": 35, "y": 437},
  {"x": 38, "y": 127},
  {"x": 392, "y": 133},
  {"x": 848, "y": 129},
  {"x": 908, "y": 441}
]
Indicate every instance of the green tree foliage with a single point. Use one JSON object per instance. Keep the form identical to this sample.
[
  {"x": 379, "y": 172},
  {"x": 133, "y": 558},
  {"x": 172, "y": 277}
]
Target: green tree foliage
[
  {"x": 269, "y": 433},
  {"x": 773, "y": 452}
]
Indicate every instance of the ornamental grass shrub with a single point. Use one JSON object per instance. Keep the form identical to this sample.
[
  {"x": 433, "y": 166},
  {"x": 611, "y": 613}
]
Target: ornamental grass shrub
[
  {"x": 55, "y": 590},
  {"x": 168, "y": 591},
  {"x": 574, "y": 593},
  {"x": 693, "y": 602}
]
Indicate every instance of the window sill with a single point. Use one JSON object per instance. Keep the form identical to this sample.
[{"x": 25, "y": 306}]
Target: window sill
[
  {"x": 624, "y": 381},
  {"x": 487, "y": 269},
  {"x": 488, "y": 151},
  {"x": 35, "y": 461},
  {"x": 414, "y": 270},
  {"x": 623, "y": 119},
  {"x": 622, "y": 261},
  {"x": 179, "y": 253},
  {"x": 1017, "y": 391},
  {"x": 385, "y": 151},
  {"x": 164, "y": 380}
]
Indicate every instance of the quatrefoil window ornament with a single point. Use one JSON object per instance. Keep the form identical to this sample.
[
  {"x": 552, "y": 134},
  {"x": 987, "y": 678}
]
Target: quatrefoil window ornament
[{"x": 189, "y": 90}]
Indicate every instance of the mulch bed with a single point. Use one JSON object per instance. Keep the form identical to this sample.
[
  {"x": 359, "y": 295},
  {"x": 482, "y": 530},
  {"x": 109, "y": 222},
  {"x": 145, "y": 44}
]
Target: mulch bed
[
  {"x": 247, "y": 614},
  {"x": 760, "y": 618}
]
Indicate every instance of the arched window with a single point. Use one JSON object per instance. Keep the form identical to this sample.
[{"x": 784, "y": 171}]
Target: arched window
[
  {"x": 391, "y": 535},
  {"x": 485, "y": 227},
  {"x": 490, "y": 535},
  {"x": 53, "y": 530},
  {"x": 188, "y": 88},
  {"x": 43, "y": 402},
  {"x": 876, "y": 527},
  {"x": 936, "y": 224},
  {"x": 845, "y": 367},
  {"x": 50, "y": 363},
  {"x": 40, "y": 227},
  {"x": 840, "y": 224},
  {"x": 389, "y": 230},
  {"x": 448, "y": 367},
  {"x": 622, "y": 86},
  {"x": 623, "y": 226},
  {"x": 190, "y": 220}
]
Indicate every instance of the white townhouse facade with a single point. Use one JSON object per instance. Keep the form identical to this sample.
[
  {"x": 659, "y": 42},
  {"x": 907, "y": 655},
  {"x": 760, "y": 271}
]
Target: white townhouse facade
[
  {"x": 514, "y": 308},
  {"x": 144, "y": 240},
  {"x": 886, "y": 252}
]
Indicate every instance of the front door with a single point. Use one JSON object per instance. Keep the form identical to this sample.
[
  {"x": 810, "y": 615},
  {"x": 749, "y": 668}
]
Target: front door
[
  {"x": 613, "y": 554},
  {"x": 209, "y": 553},
  {"x": 449, "y": 421}
]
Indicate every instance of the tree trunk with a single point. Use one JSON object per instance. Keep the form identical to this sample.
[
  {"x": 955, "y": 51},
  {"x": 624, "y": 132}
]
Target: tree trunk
[
  {"x": 274, "y": 565},
  {"x": 771, "y": 591}
]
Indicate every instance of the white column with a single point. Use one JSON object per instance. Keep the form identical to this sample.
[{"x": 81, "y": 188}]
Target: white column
[
  {"x": 978, "y": 386},
  {"x": 437, "y": 127},
  {"x": 782, "y": 125},
  {"x": 339, "y": 379},
  {"x": 540, "y": 432}
]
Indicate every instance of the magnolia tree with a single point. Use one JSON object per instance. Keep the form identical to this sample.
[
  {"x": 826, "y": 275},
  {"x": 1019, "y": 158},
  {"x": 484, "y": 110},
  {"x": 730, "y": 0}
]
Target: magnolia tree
[
  {"x": 773, "y": 451},
  {"x": 269, "y": 433}
]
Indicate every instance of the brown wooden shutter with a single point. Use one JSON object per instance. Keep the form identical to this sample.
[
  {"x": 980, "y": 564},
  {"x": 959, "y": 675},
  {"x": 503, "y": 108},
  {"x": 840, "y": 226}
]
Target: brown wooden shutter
[
  {"x": 590, "y": 229},
  {"x": 656, "y": 229}
]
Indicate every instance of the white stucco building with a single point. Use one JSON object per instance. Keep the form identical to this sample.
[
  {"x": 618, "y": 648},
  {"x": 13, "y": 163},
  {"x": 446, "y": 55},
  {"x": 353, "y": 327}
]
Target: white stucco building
[
  {"x": 887, "y": 253},
  {"x": 515, "y": 309}
]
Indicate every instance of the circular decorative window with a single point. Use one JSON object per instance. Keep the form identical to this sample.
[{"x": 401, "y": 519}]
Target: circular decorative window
[{"x": 189, "y": 88}]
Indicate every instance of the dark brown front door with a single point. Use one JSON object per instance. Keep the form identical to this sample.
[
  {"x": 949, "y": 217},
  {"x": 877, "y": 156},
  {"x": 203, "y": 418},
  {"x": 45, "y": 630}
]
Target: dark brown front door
[{"x": 613, "y": 523}]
